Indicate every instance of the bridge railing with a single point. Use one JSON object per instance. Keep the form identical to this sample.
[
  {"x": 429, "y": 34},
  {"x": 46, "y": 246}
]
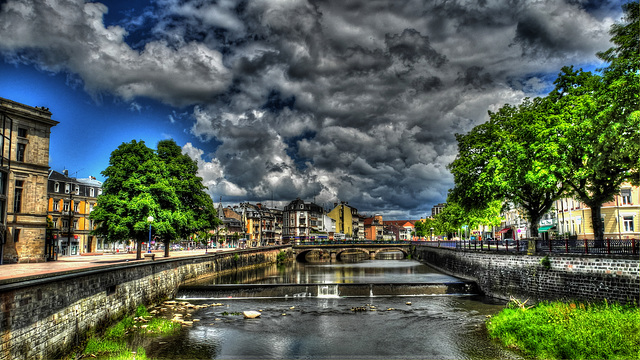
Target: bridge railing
[
  {"x": 557, "y": 246},
  {"x": 350, "y": 242}
]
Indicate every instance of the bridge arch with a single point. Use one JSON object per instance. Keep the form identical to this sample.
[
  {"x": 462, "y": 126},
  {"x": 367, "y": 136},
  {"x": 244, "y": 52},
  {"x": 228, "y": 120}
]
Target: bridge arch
[
  {"x": 302, "y": 254},
  {"x": 371, "y": 252}
]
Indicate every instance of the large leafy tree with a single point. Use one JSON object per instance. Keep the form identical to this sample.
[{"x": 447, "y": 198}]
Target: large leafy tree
[
  {"x": 196, "y": 211},
  {"x": 499, "y": 160},
  {"x": 596, "y": 129},
  {"x": 141, "y": 182},
  {"x": 135, "y": 188}
]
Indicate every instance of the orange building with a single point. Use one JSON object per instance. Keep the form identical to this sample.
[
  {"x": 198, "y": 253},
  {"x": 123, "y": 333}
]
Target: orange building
[
  {"x": 374, "y": 228},
  {"x": 71, "y": 201}
]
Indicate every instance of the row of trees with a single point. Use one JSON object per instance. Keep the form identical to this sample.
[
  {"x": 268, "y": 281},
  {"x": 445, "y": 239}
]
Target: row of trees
[
  {"x": 582, "y": 140},
  {"x": 141, "y": 182}
]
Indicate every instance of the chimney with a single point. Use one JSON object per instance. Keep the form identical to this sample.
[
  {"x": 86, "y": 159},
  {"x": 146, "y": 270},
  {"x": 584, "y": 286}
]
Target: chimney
[{"x": 65, "y": 172}]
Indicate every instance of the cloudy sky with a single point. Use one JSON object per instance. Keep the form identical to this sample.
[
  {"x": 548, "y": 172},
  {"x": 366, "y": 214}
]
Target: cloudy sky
[{"x": 328, "y": 101}]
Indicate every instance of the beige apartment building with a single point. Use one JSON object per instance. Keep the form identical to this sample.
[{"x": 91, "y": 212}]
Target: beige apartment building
[
  {"x": 621, "y": 216},
  {"x": 24, "y": 168}
]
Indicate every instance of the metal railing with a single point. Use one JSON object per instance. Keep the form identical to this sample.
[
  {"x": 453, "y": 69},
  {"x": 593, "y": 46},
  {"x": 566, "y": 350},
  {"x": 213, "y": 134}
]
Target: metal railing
[
  {"x": 557, "y": 246},
  {"x": 349, "y": 242}
]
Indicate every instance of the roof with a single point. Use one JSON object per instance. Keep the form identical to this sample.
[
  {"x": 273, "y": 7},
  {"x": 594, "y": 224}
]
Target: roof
[{"x": 401, "y": 223}]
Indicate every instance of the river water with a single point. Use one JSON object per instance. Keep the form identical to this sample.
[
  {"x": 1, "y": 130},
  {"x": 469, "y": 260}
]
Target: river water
[{"x": 331, "y": 326}]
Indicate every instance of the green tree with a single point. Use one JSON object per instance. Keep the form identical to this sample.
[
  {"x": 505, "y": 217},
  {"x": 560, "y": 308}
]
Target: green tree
[
  {"x": 451, "y": 219},
  {"x": 595, "y": 140},
  {"x": 422, "y": 228},
  {"x": 499, "y": 160},
  {"x": 135, "y": 187},
  {"x": 196, "y": 211}
]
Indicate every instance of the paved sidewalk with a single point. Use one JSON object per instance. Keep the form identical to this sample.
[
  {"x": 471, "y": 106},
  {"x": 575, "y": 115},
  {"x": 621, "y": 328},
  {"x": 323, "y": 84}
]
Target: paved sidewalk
[{"x": 10, "y": 273}]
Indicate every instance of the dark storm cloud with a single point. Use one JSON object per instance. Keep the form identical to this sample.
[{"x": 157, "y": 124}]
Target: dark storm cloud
[{"x": 356, "y": 101}]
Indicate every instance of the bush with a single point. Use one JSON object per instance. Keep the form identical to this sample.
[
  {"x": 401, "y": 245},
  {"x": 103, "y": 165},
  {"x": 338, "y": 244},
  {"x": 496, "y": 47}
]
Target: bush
[
  {"x": 281, "y": 258},
  {"x": 559, "y": 330}
]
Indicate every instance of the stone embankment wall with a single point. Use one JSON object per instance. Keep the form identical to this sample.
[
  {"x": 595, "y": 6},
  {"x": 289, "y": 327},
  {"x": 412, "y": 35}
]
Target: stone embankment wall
[
  {"x": 45, "y": 318},
  {"x": 569, "y": 277}
]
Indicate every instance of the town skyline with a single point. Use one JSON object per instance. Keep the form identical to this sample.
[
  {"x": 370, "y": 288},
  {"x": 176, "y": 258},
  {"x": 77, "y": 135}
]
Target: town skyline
[{"x": 283, "y": 100}]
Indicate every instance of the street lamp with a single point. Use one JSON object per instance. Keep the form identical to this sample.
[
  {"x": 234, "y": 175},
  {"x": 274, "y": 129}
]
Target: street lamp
[{"x": 149, "y": 220}]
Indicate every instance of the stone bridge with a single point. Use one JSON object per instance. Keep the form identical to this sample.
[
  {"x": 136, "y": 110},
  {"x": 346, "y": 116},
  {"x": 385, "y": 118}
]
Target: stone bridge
[{"x": 334, "y": 249}]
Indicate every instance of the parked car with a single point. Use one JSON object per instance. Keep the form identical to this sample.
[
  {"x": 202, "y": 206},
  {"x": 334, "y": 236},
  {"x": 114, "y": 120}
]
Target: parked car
[{"x": 509, "y": 242}]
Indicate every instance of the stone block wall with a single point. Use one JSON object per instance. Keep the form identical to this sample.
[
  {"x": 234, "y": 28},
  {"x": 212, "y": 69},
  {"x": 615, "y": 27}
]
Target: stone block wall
[
  {"x": 44, "y": 318},
  {"x": 569, "y": 277}
]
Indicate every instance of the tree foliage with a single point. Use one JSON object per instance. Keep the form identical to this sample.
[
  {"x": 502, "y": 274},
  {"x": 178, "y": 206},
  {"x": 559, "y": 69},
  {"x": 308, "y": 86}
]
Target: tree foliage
[
  {"x": 500, "y": 160},
  {"x": 582, "y": 139},
  {"x": 140, "y": 183}
]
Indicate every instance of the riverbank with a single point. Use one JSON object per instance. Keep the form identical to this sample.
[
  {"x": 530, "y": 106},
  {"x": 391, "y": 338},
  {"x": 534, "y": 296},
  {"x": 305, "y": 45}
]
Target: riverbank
[
  {"x": 45, "y": 315},
  {"x": 558, "y": 330}
]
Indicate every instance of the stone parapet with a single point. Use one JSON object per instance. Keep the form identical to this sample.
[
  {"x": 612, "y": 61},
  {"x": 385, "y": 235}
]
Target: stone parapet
[
  {"x": 567, "y": 277},
  {"x": 43, "y": 318}
]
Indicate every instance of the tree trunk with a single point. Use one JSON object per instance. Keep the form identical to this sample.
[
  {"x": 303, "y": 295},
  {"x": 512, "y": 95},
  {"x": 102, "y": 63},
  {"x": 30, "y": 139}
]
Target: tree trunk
[
  {"x": 535, "y": 219},
  {"x": 166, "y": 248},
  {"x": 596, "y": 220},
  {"x": 138, "y": 249}
]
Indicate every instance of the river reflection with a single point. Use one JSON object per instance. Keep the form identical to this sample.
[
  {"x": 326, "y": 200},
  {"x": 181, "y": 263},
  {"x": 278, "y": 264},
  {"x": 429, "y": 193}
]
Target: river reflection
[
  {"x": 417, "y": 327},
  {"x": 367, "y": 272}
]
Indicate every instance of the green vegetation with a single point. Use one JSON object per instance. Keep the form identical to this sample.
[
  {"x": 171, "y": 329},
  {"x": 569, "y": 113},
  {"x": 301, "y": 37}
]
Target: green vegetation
[
  {"x": 559, "y": 330},
  {"x": 281, "y": 258},
  {"x": 141, "y": 182},
  {"x": 113, "y": 344},
  {"x": 545, "y": 262},
  {"x": 580, "y": 140}
]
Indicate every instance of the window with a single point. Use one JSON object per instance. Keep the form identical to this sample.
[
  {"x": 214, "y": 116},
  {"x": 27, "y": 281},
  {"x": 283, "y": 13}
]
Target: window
[
  {"x": 56, "y": 187},
  {"x": 67, "y": 188},
  {"x": 77, "y": 190},
  {"x": 17, "y": 199},
  {"x": 65, "y": 223},
  {"x": 16, "y": 235},
  {"x": 20, "y": 153},
  {"x": 626, "y": 196},
  {"x": 75, "y": 207},
  {"x": 627, "y": 222},
  {"x": 22, "y": 132},
  {"x": 65, "y": 206},
  {"x": 56, "y": 205},
  {"x": 75, "y": 224},
  {"x": 92, "y": 192}
]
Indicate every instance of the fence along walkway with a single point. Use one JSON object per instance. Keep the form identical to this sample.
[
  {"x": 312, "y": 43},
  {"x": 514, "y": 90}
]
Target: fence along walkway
[{"x": 557, "y": 246}]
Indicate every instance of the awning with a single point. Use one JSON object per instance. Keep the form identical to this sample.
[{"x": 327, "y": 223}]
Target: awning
[
  {"x": 543, "y": 229},
  {"x": 503, "y": 231}
]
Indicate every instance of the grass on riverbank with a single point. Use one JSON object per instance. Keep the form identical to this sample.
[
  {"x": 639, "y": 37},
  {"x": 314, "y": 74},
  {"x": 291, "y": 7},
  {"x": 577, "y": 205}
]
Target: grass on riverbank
[
  {"x": 113, "y": 344},
  {"x": 559, "y": 330}
]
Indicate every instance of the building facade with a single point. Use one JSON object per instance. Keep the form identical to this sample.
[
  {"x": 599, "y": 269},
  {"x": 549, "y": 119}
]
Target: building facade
[
  {"x": 437, "y": 209},
  {"x": 374, "y": 228},
  {"x": 231, "y": 230},
  {"x": 344, "y": 218},
  {"x": 402, "y": 230},
  {"x": 301, "y": 220},
  {"x": 70, "y": 203},
  {"x": 620, "y": 217},
  {"x": 24, "y": 167}
]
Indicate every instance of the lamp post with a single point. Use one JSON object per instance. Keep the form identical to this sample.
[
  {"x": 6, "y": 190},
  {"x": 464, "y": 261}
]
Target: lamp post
[{"x": 149, "y": 220}]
